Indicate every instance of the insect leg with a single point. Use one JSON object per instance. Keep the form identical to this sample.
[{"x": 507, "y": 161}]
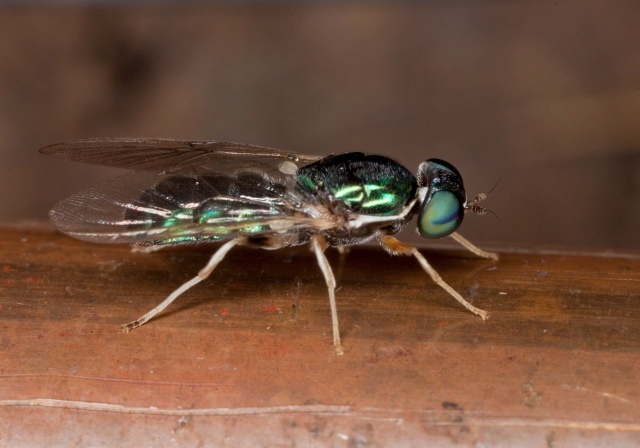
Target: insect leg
[
  {"x": 146, "y": 249},
  {"x": 318, "y": 245},
  {"x": 396, "y": 247},
  {"x": 472, "y": 248},
  {"x": 203, "y": 274}
]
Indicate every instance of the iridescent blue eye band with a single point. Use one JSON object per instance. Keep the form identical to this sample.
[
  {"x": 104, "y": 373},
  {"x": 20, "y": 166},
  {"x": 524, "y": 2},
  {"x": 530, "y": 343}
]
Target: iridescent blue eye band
[{"x": 440, "y": 216}]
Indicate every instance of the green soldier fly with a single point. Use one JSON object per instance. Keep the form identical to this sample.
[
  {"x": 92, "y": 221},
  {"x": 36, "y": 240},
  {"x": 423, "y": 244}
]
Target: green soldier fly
[{"x": 182, "y": 192}]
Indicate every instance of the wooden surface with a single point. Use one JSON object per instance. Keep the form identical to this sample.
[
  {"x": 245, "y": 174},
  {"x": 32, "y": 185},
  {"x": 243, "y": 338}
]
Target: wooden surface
[{"x": 245, "y": 358}]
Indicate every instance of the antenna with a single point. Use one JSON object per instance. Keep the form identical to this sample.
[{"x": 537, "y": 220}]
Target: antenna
[{"x": 477, "y": 209}]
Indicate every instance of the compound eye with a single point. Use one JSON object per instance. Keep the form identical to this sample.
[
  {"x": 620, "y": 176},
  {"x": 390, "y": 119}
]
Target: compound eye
[{"x": 440, "y": 215}]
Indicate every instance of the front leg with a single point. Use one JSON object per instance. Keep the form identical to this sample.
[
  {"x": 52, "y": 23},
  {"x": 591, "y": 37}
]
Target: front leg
[
  {"x": 472, "y": 248},
  {"x": 398, "y": 248}
]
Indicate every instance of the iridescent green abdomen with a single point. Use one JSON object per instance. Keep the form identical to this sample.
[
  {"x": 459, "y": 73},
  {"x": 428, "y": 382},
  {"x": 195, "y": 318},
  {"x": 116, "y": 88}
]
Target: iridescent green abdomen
[
  {"x": 369, "y": 185},
  {"x": 213, "y": 207}
]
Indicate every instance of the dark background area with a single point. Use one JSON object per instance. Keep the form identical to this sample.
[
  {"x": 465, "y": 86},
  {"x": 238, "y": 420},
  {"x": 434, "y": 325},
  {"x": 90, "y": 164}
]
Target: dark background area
[{"x": 543, "y": 95}]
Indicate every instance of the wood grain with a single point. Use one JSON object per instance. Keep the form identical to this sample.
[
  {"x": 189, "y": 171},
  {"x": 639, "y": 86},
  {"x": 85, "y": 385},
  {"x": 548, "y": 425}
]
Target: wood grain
[{"x": 246, "y": 358}]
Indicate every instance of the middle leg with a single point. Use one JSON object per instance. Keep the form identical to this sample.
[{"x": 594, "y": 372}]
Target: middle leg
[{"x": 318, "y": 245}]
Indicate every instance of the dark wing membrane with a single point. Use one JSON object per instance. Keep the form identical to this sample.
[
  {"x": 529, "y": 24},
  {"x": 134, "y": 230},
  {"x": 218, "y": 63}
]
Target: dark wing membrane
[
  {"x": 165, "y": 155},
  {"x": 148, "y": 208}
]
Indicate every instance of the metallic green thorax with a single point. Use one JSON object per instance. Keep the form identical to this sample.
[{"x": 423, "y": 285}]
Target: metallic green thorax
[{"x": 369, "y": 185}]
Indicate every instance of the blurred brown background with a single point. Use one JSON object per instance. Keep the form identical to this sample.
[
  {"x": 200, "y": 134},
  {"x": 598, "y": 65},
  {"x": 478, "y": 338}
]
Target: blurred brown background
[{"x": 544, "y": 94}]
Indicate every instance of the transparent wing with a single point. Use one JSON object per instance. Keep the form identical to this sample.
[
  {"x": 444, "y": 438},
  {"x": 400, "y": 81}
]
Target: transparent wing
[
  {"x": 147, "y": 207},
  {"x": 165, "y": 155}
]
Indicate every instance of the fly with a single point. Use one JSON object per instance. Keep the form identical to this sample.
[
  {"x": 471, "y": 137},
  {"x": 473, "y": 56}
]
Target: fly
[{"x": 182, "y": 192}]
